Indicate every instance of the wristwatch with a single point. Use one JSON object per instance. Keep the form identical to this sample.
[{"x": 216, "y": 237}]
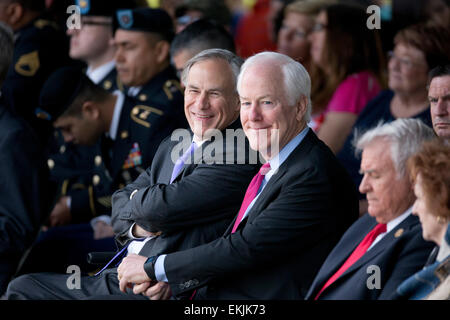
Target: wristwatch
[{"x": 149, "y": 267}]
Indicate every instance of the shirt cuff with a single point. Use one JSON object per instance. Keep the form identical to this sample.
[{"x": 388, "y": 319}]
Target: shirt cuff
[
  {"x": 106, "y": 219},
  {"x": 160, "y": 272}
]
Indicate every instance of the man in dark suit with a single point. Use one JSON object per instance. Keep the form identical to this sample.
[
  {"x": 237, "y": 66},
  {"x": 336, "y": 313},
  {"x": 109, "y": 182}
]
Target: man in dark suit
[
  {"x": 168, "y": 209},
  {"x": 278, "y": 241},
  {"x": 24, "y": 201},
  {"x": 385, "y": 246}
]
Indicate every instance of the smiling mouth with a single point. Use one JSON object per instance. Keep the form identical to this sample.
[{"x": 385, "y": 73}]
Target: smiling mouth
[{"x": 202, "y": 116}]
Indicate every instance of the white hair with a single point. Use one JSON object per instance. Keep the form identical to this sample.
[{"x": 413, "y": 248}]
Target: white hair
[
  {"x": 404, "y": 135},
  {"x": 297, "y": 82}
]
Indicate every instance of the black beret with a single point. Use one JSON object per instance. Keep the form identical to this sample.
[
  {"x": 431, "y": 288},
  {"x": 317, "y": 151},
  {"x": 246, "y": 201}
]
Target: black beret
[
  {"x": 145, "y": 20},
  {"x": 59, "y": 92},
  {"x": 103, "y": 7}
]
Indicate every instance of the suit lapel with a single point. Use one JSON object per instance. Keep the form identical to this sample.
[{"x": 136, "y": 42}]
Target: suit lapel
[
  {"x": 274, "y": 183},
  {"x": 388, "y": 240}
]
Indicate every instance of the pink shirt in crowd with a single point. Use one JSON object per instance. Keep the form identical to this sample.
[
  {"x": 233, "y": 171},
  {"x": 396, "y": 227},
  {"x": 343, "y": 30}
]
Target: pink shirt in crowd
[{"x": 351, "y": 95}]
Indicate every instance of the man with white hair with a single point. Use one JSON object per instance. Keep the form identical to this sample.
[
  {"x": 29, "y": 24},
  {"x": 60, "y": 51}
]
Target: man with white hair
[
  {"x": 385, "y": 246},
  {"x": 294, "y": 211}
]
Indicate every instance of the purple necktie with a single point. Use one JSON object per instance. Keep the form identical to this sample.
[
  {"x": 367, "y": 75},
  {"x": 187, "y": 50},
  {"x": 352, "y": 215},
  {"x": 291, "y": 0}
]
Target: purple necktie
[{"x": 181, "y": 161}]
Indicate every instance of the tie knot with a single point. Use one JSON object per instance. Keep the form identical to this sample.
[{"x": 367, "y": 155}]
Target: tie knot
[
  {"x": 264, "y": 169},
  {"x": 379, "y": 228}
]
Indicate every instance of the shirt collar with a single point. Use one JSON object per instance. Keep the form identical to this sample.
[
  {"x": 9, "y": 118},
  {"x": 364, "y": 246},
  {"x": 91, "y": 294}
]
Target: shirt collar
[
  {"x": 394, "y": 223},
  {"x": 134, "y": 91},
  {"x": 116, "y": 115},
  {"x": 98, "y": 74},
  {"x": 278, "y": 160}
]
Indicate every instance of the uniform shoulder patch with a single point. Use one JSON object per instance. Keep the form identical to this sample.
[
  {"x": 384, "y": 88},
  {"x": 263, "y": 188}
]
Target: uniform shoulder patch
[
  {"x": 42, "y": 23},
  {"x": 141, "y": 113},
  {"x": 28, "y": 64},
  {"x": 171, "y": 87}
]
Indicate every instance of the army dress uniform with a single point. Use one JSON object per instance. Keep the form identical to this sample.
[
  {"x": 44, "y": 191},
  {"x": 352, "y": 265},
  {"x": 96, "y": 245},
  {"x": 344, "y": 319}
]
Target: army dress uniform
[
  {"x": 41, "y": 47},
  {"x": 120, "y": 161}
]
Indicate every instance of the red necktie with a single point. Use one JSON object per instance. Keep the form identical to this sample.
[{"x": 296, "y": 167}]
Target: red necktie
[
  {"x": 251, "y": 193},
  {"x": 356, "y": 254}
]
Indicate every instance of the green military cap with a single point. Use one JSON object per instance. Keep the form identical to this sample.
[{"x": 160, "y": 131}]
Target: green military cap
[{"x": 145, "y": 20}]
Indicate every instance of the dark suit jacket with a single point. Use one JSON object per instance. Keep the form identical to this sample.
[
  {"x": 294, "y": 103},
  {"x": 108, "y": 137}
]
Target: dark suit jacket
[
  {"x": 276, "y": 251},
  {"x": 398, "y": 255},
  {"x": 25, "y": 196},
  {"x": 196, "y": 208}
]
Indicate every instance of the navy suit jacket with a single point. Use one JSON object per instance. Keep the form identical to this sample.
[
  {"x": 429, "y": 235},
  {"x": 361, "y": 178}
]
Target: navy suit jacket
[
  {"x": 399, "y": 254},
  {"x": 278, "y": 248}
]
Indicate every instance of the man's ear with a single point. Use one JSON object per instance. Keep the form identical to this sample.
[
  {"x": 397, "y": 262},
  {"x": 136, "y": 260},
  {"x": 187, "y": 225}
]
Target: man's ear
[
  {"x": 14, "y": 11},
  {"x": 301, "y": 108},
  {"x": 90, "y": 110},
  {"x": 238, "y": 103},
  {"x": 162, "y": 51}
]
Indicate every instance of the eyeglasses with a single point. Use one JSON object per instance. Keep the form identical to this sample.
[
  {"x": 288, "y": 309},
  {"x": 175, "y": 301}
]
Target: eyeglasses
[
  {"x": 319, "y": 27},
  {"x": 407, "y": 63}
]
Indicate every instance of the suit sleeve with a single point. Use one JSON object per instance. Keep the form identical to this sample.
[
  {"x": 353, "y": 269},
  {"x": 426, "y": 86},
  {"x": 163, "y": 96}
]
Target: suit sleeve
[
  {"x": 21, "y": 207},
  {"x": 412, "y": 258},
  {"x": 121, "y": 214},
  {"x": 174, "y": 207},
  {"x": 298, "y": 216}
]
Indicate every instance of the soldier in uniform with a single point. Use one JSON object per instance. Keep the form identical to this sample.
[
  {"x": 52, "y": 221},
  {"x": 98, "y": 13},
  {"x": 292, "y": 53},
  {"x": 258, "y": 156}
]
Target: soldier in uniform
[
  {"x": 142, "y": 38},
  {"x": 91, "y": 43},
  {"x": 143, "y": 62},
  {"x": 41, "y": 47}
]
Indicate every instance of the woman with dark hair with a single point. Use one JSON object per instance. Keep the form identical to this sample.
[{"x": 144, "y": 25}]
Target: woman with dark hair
[
  {"x": 417, "y": 50},
  {"x": 350, "y": 56},
  {"x": 430, "y": 171}
]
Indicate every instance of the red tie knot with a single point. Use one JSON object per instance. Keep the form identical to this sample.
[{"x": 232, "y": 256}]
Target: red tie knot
[
  {"x": 380, "y": 228},
  {"x": 264, "y": 169}
]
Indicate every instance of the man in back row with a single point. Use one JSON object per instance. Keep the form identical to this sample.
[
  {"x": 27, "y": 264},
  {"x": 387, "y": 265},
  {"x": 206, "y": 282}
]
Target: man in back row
[
  {"x": 142, "y": 38},
  {"x": 439, "y": 97}
]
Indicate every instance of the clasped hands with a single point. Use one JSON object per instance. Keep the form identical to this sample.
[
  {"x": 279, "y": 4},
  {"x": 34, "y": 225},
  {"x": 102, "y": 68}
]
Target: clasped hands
[{"x": 131, "y": 274}]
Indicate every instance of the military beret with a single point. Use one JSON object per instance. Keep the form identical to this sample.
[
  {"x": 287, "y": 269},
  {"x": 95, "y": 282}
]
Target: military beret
[
  {"x": 102, "y": 7},
  {"x": 145, "y": 20},
  {"x": 59, "y": 92}
]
